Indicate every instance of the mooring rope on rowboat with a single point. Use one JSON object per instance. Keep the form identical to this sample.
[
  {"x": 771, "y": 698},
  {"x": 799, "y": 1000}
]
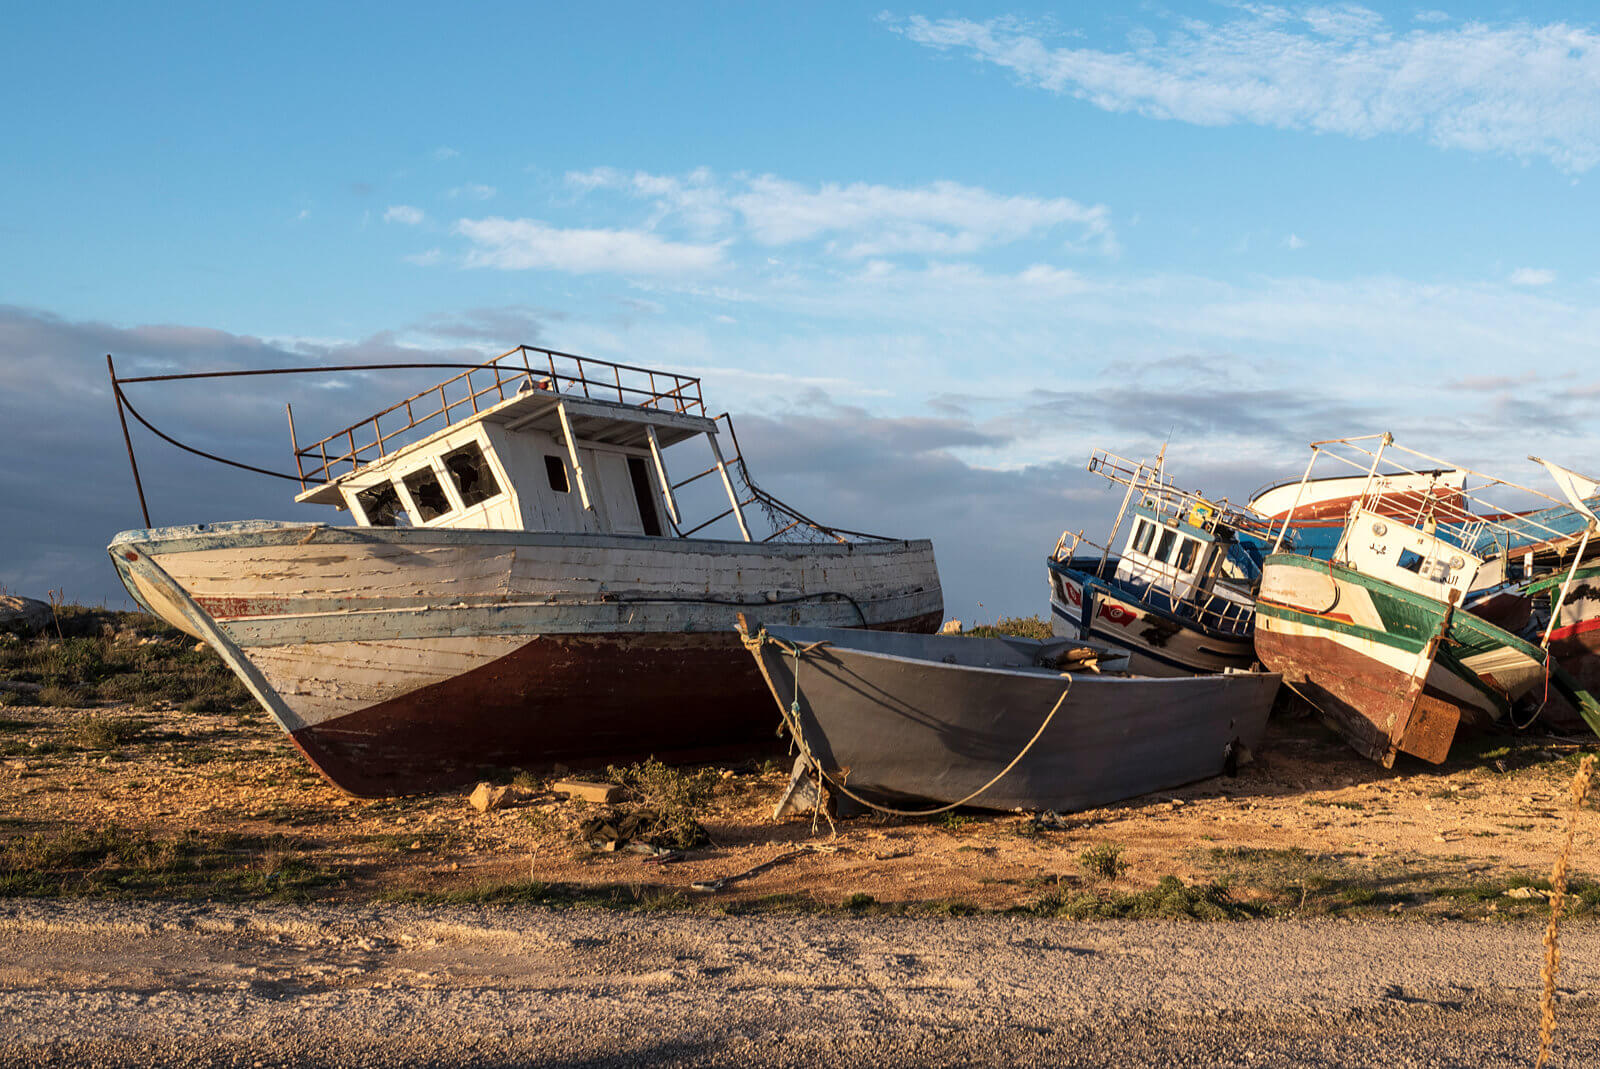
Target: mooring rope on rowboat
[{"x": 791, "y": 718}]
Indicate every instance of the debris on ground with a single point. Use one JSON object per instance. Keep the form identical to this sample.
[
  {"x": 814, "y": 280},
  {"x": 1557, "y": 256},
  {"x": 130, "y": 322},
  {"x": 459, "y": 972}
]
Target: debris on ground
[
  {"x": 614, "y": 829},
  {"x": 588, "y": 790}
]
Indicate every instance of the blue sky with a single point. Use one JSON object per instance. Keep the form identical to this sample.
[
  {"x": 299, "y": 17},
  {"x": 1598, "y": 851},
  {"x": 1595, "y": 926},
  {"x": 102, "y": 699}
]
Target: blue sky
[{"x": 929, "y": 256}]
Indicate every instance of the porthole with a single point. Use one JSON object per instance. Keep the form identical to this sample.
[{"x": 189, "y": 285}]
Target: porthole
[{"x": 1380, "y": 528}]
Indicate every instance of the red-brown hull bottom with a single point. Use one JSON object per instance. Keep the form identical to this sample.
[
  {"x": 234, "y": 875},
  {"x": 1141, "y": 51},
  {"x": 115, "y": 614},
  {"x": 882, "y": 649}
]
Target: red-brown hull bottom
[
  {"x": 568, "y": 698},
  {"x": 1359, "y": 697}
]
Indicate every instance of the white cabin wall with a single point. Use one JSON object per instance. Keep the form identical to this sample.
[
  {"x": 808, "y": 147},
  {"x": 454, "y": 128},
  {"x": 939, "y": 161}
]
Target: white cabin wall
[{"x": 522, "y": 454}]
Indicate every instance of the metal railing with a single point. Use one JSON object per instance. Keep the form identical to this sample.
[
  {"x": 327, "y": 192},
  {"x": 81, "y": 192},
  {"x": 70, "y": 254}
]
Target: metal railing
[
  {"x": 1199, "y": 604},
  {"x": 484, "y": 386},
  {"x": 1462, "y": 515}
]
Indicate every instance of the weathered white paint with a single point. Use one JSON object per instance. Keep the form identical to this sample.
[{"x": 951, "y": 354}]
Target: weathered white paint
[{"x": 356, "y": 616}]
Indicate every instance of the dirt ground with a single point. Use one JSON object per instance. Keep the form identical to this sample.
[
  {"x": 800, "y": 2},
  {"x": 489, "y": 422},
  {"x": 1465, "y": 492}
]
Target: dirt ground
[{"x": 1306, "y": 826}]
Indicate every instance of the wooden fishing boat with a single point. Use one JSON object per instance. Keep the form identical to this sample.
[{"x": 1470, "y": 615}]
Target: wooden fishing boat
[
  {"x": 896, "y": 719},
  {"x": 1374, "y": 637},
  {"x": 1179, "y": 594},
  {"x": 520, "y": 585}
]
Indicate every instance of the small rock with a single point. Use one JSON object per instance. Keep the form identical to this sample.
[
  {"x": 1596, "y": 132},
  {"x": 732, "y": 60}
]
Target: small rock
[
  {"x": 488, "y": 796},
  {"x": 1524, "y": 892},
  {"x": 23, "y": 614}
]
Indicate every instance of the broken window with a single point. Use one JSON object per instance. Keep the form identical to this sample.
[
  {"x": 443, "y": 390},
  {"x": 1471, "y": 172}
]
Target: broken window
[
  {"x": 1187, "y": 549},
  {"x": 1142, "y": 536},
  {"x": 425, "y": 490},
  {"x": 644, "y": 495},
  {"x": 1164, "y": 548},
  {"x": 382, "y": 505},
  {"x": 555, "y": 470},
  {"x": 470, "y": 471},
  {"x": 1411, "y": 562}
]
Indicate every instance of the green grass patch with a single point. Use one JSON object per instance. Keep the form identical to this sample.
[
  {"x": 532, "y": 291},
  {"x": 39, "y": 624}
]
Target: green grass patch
[
  {"x": 1169, "y": 899},
  {"x": 113, "y": 861},
  {"x": 1036, "y": 627},
  {"x": 123, "y": 657},
  {"x": 541, "y": 893}
]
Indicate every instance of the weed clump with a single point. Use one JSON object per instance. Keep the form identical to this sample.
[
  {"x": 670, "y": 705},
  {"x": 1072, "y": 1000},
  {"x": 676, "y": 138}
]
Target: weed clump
[
  {"x": 1169, "y": 899},
  {"x": 1103, "y": 861},
  {"x": 663, "y": 806},
  {"x": 1036, "y": 627},
  {"x": 107, "y": 732}
]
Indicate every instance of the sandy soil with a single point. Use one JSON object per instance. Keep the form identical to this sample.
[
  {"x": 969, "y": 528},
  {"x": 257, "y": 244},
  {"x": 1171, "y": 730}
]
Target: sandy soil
[
  {"x": 195, "y": 984},
  {"x": 1494, "y": 812}
]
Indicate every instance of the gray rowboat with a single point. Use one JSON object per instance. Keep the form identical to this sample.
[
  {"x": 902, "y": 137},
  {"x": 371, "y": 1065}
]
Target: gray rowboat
[{"x": 896, "y": 717}]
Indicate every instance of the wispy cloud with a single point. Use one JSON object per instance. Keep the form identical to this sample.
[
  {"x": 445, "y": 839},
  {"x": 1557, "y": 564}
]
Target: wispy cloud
[
  {"x": 1517, "y": 89},
  {"x": 1532, "y": 276},
  {"x": 1294, "y": 241},
  {"x": 403, "y": 213},
  {"x": 471, "y": 191},
  {"x": 522, "y": 244},
  {"x": 445, "y": 152},
  {"x": 857, "y": 220}
]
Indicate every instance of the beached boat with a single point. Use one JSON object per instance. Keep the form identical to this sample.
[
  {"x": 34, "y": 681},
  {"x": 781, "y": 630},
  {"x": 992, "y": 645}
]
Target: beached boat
[
  {"x": 1179, "y": 596},
  {"x": 521, "y": 584},
  {"x": 1373, "y": 636},
  {"x": 912, "y": 719}
]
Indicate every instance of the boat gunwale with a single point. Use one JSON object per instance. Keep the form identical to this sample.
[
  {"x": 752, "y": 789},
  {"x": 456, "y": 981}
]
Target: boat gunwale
[
  {"x": 1021, "y": 672},
  {"x": 230, "y": 534}
]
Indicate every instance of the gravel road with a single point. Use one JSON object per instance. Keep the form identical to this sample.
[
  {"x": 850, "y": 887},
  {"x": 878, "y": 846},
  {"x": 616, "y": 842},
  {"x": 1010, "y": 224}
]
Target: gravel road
[{"x": 96, "y": 983}]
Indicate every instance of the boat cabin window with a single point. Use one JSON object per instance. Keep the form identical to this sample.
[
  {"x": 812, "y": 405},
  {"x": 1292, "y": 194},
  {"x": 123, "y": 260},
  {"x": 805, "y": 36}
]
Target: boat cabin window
[
  {"x": 644, "y": 495},
  {"x": 469, "y": 470},
  {"x": 382, "y": 505},
  {"x": 555, "y": 469},
  {"x": 1142, "y": 536},
  {"x": 1187, "y": 549},
  {"x": 1164, "y": 547},
  {"x": 1411, "y": 562},
  {"x": 428, "y": 494}
]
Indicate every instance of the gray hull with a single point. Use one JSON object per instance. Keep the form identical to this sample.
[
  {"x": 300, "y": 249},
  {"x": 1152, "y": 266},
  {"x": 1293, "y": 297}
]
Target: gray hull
[{"x": 928, "y": 717}]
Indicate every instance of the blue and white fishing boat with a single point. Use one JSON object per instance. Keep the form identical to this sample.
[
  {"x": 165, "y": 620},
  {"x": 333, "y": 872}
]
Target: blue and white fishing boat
[{"x": 1179, "y": 597}]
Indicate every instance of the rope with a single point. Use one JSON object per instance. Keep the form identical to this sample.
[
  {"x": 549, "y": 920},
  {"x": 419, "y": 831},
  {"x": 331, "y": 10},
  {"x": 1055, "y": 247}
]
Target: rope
[{"x": 791, "y": 718}]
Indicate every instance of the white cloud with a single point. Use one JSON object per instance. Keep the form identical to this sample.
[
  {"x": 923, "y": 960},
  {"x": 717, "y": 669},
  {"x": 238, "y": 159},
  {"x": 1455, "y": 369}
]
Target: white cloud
[
  {"x": 1518, "y": 89},
  {"x": 472, "y": 191},
  {"x": 858, "y": 220},
  {"x": 521, "y": 244},
  {"x": 424, "y": 259},
  {"x": 1532, "y": 276},
  {"x": 403, "y": 213},
  {"x": 304, "y": 214},
  {"x": 445, "y": 152},
  {"x": 1294, "y": 241}
]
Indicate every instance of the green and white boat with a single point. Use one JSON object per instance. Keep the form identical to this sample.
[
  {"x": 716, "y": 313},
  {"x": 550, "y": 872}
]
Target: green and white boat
[{"x": 1377, "y": 637}]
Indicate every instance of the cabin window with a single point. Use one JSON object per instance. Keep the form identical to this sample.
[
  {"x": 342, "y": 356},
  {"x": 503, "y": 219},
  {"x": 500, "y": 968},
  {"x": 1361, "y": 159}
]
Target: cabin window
[
  {"x": 555, "y": 469},
  {"x": 428, "y": 494},
  {"x": 382, "y": 505},
  {"x": 469, "y": 469},
  {"x": 1164, "y": 548},
  {"x": 1187, "y": 548},
  {"x": 1142, "y": 536},
  {"x": 644, "y": 495},
  {"x": 1411, "y": 562}
]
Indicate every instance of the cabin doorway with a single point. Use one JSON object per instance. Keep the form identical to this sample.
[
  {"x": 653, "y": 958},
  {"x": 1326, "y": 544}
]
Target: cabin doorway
[{"x": 628, "y": 494}]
